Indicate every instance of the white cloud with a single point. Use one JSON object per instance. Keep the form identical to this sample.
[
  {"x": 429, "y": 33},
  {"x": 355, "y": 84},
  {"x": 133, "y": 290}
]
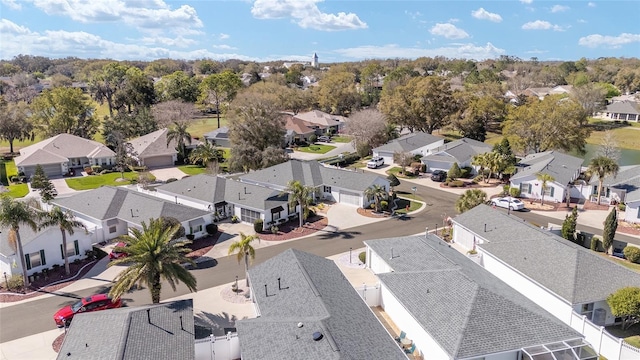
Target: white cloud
[
  {"x": 449, "y": 31},
  {"x": 413, "y": 15},
  {"x": 542, "y": 25},
  {"x": 12, "y": 4},
  {"x": 179, "y": 41},
  {"x": 526, "y": 1},
  {"x": 597, "y": 40},
  {"x": 224, "y": 47},
  {"x": 223, "y": 36},
  {"x": 591, "y": 4},
  {"x": 306, "y": 14},
  {"x": 581, "y": 21},
  {"x": 142, "y": 14},
  {"x": 466, "y": 51},
  {"x": 8, "y": 27},
  {"x": 559, "y": 8},
  {"x": 483, "y": 14}
]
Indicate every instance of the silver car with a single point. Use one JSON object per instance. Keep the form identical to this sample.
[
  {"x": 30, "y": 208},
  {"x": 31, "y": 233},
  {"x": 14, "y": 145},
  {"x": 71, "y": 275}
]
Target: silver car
[{"x": 508, "y": 203}]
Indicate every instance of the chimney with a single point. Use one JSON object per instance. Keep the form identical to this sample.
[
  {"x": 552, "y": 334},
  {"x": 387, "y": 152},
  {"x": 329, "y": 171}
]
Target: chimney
[{"x": 149, "y": 315}]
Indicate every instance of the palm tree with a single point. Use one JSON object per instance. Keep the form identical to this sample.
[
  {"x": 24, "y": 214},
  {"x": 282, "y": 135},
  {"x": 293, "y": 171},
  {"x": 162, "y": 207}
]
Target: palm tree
[
  {"x": 178, "y": 133},
  {"x": 66, "y": 221},
  {"x": 481, "y": 161},
  {"x": 470, "y": 199},
  {"x": 603, "y": 166},
  {"x": 377, "y": 193},
  {"x": 152, "y": 255},
  {"x": 205, "y": 154},
  {"x": 13, "y": 214},
  {"x": 299, "y": 195},
  {"x": 245, "y": 251},
  {"x": 545, "y": 179}
]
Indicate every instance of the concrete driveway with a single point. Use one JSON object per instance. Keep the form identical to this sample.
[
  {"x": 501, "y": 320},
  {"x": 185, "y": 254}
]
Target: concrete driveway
[
  {"x": 339, "y": 149},
  {"x": 165, "y": 174},
  {"x": 62, "y": 187}
]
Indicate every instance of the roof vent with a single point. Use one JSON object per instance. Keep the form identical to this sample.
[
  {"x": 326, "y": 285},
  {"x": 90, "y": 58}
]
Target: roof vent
[
  {"x": 300, "y": 324},
  {"x": 317, "y": 336}
]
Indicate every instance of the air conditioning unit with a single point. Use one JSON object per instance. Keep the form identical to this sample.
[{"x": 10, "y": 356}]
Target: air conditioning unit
[{"x": 599, "y": 316}]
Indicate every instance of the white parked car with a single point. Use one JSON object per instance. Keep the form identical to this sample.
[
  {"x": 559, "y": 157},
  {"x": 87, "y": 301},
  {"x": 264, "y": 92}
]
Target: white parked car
[
  {"x": 375, "y": 162},
  {"x": 508, "y": 203}
]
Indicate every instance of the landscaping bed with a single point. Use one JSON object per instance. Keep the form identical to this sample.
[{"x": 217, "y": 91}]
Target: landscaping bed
[
  {"x": 290, "y": 229},
  {"x": 202, "y": 246}
]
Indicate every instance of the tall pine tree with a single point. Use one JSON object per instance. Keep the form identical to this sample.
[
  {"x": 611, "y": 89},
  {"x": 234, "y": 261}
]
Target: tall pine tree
[
  {"x": 39, "y": 178},
  {"x": 610, "y": 227},
  {"x": 569, "y": 225}
]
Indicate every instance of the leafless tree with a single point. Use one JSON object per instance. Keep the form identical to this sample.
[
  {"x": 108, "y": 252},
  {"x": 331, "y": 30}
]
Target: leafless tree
[
  {"x": 169, "y": 112},
  {"x": 609, "y": 146},
  {"x": 403, "y": 159},
  {"x": 368, "y": 129}
]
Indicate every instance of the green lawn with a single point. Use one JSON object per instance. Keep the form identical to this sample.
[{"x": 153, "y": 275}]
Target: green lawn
[
  {"x": 199, "y": 127},
  {"x": 402, "y": 206},
  {"x": 95, "y": 181},
  {"x": 625, "y": 263},
  {"x": 18, "y": 190},
  {"x": 192, "y": 169},
  {"x": 396, "y": 171},
  {"x": 341, "y": 139},
  {"x": 316, "y": 149},
  {"x": 630, "y": 336}
]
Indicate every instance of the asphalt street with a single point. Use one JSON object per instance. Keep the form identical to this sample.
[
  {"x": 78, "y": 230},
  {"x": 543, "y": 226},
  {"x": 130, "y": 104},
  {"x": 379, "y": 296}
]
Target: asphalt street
[{"x": 37, "y": 316}]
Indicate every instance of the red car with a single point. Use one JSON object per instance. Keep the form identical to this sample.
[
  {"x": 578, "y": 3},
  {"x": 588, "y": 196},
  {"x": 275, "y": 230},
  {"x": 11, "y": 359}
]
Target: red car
[
  {"x": 92, "y": 303},
  {"x": 119, "y": 254}
]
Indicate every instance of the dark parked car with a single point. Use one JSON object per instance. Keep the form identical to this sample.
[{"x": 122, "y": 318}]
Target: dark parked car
[
  {"x": 439, "y": 175},
  {"x": 92, "y": 303}
]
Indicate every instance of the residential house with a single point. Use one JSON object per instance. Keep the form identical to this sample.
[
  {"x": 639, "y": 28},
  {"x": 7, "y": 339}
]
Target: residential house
[
  {"x": 562, "y": 277},
  {"x": 299, "y": 130},
  {"x": 61, "y": 153},
  {"x": 307, "y": 309},
  {"x": 453, "y": 309},
  {"x": 540, "y": 92},
  {"x": 227, "y": 197},
  {"x": 153, "y": 151},
  {"x": 623, "y": 110},
  {"x": 416, "y": 143},
  {"x": 561, "y": 89},
  {"x": 219, "y": 137},
  {"x": 562, "y": 167},
  {"x": 340, "y": 185},
  {"x": 460, "y": 151},
  {"x": 111, "y": 211},
  {"x": 150, "y": 332},
  {"x": 324, "y": 120},
  {"x": 42, "y": 249},
  {"x": 623, "y": 188}
]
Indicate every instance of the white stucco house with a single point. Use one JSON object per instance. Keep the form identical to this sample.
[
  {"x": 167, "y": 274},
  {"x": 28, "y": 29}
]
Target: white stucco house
[
  {"x": 459, "y": 151},
  {"x": 416, "y": 143},
  {"x": 562, "y": 167},
  {"x": 562, "y": 277},
  {"x": 110, "y": 211},
  {"x": 453, "y": 309},
  {"x": 227, "y": 197},
  {"x": 623, "y": 188},
  {"x": 61, "y": 153},
  {"x": 339, "y": 185},
  {"x": 42, "y": 249}
]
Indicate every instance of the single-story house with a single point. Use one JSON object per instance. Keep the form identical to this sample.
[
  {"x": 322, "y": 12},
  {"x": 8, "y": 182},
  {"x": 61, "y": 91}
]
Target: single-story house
[
  {"x": 60, "y": 153},
  {"x": 561, "y": 89},
  {"x": 562, "y": 167},
  {"x": 321, "y": 118},
  {"x": 152, "y": 151},
  {"x": 623, "y": 110},
  {"x": 219, "y": 137},
  {"x": 42, "y": 249},
  {"x": 623, "y": 188},
  {"x": 540, "y": 92},
  {"x": 417, "y": 143},
  {"x": 306, "y": 308},
  {"x": 150, "y": 332},
  {"x": 300, "y": 130},
  {"x": 110, "y": 211},
  {"x": 460, "y": 151},
  {"x": 227, "y": 197},
  {"x": 562, "y": 277},
  {"x": 339, "y": 185},
  {"x": 453, "y": 309}
]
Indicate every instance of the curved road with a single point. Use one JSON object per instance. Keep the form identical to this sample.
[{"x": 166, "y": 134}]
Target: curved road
[{"x": 37, "y": 316}]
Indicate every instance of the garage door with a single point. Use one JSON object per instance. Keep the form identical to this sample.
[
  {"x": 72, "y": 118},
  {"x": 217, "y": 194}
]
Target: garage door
[
  {"x": 349, "y": 198},
  {"x": 438, "y": 165},
  {"x": 158, "y": 161},
  {"x": 50, "y": 170}
]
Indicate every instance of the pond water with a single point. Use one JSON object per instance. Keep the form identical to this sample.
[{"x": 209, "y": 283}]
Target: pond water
[{"x": 627, "y": 156}]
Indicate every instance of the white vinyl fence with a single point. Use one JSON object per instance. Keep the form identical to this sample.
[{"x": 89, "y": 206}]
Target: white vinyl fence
[
  {"x": 218, "y": 347},
  {"x": 370, "y": 294},
  {"x": 605, "y": 344}
]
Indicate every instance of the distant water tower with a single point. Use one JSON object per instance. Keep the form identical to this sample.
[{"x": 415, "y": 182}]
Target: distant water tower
[{"x": 314, "y": 61}]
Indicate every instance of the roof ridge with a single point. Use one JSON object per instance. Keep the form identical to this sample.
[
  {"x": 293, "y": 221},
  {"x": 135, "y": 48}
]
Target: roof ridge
[{"x": 468, "y": 312}]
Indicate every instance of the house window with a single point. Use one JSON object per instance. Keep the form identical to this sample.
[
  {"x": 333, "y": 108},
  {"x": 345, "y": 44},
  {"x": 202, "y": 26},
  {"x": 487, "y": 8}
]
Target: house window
[
  {"x": 525, "y": 188},
  {"x": 549, "y": 191},
  {"x": 35, "y": 259},
  {"x": 249, "y": 215},
  {"x": 195, "y": 229},
  {"x": 587, "y": 310},
  {"x": 275, "y": 216},
  {"x": 327, "y": 189},
  {"x": 73, "y": 249},
  {"x": 112, "y": 229}
]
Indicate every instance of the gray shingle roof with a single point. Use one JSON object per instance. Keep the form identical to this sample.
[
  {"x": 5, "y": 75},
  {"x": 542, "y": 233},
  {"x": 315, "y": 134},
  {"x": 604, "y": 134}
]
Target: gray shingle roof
[
  {"x": 221, "y": 133},
  {"x": 409, "y": 142},
  {"x": 627, "y": 179},
  {"x": 310, "y": 173},
  {"x": 564, "y": 168},
  {"x": 60, "y": 148},
  {"x": 623, "y": 107},
  {"x": 316, "y": 294},
  {"x": 461, "y": 150},
  {"x": 153, "y": 144},
  {"x": 202, "y": 187},
  {"x": 467, "y": 310},
  {"x": 568, "y": 270},
  {"x": 109, "y": 202},
  {"x": 126, "y": 333}
]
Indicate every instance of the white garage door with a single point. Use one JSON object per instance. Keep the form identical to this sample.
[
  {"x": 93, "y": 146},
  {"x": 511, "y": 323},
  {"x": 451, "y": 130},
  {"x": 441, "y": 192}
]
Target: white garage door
[
  {"x": 158, "y": 161},
  {"x": 438, "y": 165},
  {"x": 349, "y": 198}
]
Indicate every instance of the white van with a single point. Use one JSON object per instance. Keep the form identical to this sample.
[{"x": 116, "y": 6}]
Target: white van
[{"x": 375, "y": 162}]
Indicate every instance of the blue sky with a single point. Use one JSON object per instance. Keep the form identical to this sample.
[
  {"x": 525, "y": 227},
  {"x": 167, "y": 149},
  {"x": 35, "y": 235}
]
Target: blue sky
[{"x": 352, "y": 30}]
